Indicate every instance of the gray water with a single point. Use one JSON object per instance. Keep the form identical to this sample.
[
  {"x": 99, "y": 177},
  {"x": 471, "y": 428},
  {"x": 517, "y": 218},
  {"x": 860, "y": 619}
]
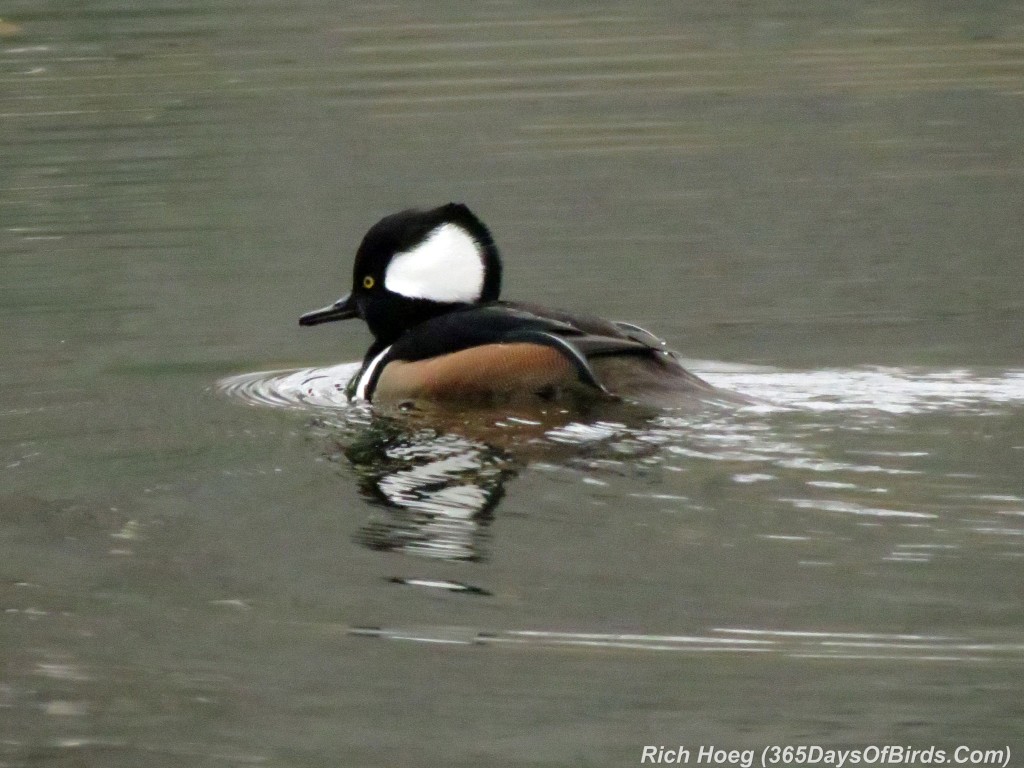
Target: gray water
[{"x": 208, "y": 558}]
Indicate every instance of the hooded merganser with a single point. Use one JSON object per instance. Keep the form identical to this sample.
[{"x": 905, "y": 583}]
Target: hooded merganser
[{"x": 427, "y": 285}]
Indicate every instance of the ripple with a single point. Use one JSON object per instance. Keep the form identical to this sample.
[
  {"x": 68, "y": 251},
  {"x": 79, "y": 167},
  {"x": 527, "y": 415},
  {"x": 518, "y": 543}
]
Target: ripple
[
  {"x": 856, "y": 509},
  {"x": 293, "y": 388},
  {"x": 887, "y": 390},
  {"x": 434, "y": 479},
  {"x": 878, "y": 390},
  {"x": 804, "y": 644}
]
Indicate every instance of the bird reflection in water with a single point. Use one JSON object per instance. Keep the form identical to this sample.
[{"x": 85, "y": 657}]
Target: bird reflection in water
[
  {"x": 435, "y": 476},
  {"x": 435, "y": 482},
  {"x": 435, "y": 492}
]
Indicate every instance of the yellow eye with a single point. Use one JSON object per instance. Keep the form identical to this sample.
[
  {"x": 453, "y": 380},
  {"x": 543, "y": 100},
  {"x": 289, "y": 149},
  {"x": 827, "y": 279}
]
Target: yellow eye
[{"x": 368, "y": 282}]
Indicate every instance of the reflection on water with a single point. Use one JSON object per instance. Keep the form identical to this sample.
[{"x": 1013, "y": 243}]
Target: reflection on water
[
  {"x": 829, "y": 445},
  {"x": 438, "y": 486},
  {"x": 889, "y": 390},
  {"x": 798, "y": 644},
  {"x": 438, "y": 492}
]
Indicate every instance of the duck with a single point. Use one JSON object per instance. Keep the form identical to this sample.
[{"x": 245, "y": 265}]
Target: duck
[{"x": 427, "y": 283}]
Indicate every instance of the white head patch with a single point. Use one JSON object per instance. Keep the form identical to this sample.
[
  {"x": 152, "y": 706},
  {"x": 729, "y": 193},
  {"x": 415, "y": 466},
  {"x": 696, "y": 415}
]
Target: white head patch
[{"x": 447, "y": 266}]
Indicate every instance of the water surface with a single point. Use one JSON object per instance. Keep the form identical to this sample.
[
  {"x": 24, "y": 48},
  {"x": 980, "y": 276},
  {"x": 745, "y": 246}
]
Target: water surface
[{"x": 205, "y": 564}]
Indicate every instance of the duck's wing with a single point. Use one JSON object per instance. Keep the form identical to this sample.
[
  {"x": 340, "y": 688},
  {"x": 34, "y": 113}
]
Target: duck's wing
[
  {"x": 624, "y": 357},
  {"x": 500, "y": 323},
  {"x": 480, "y": 327},
  {"x": 523, "y": 346},
  {"x": 631, "y": 337}
]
